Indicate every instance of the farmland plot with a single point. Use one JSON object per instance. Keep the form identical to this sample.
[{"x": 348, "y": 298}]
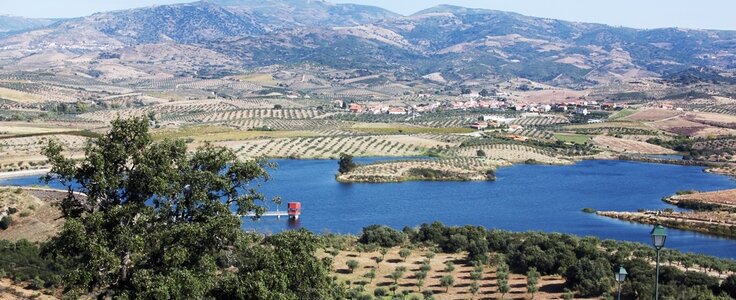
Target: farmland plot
[
  {"x": 541, "y": 121},
  {"x": 512, "y": 153},
  {"x": 325, "y": 147},
  {"x": 629, "y": 146}
]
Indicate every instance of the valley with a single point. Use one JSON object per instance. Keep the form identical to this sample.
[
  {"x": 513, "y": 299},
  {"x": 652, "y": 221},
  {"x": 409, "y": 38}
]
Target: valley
[{"x": 549, "y": 148}]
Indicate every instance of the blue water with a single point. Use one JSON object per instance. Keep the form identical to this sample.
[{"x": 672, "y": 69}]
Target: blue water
[{"x": 524, "y": 197}]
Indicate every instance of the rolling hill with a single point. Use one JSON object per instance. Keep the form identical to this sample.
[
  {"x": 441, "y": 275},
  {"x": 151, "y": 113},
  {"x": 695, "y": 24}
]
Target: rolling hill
[{"x": 458, "y": 43}]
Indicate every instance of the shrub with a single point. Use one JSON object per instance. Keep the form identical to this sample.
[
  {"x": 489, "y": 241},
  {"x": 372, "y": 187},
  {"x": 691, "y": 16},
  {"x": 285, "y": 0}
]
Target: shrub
[
  {"x": 380, "y": 292},
  {"x": 729, "y": 286},
  {"x": 381, "y": 235},
  {"x": 352, "y": 265},
  {"x": 590, "y": 278},
  {"x": 589, "y": 210},
  {"x": 5, "y": 222}
]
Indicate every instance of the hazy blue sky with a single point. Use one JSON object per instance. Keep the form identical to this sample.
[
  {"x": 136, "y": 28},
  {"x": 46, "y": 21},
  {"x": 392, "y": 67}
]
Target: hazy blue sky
[{"x": 712, "y": 14}]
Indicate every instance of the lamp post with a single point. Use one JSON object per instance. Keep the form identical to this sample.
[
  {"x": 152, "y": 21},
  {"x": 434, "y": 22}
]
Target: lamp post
[
  {"x": 659, "y": 236},
  {"x": 620, "y": 277}
]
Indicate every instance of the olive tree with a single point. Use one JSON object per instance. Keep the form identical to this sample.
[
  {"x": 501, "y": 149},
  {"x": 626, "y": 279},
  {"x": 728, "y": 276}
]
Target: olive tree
[{"x": 148, "y": 219}]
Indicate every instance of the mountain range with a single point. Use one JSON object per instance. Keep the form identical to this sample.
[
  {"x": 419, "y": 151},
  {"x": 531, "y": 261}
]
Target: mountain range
[{"x": 453, "y": 44}]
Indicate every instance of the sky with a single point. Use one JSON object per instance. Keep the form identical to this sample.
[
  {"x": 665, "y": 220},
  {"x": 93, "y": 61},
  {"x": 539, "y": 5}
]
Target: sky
[{"x": 700, "y": 14}]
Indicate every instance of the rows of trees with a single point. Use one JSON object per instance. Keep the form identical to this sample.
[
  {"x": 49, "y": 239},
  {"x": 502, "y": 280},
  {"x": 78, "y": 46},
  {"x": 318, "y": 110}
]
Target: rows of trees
[{"x": 587, "y": 264}]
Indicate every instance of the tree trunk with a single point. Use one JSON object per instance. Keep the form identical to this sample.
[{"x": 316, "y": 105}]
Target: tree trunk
[{"x": 125, "y": 260}]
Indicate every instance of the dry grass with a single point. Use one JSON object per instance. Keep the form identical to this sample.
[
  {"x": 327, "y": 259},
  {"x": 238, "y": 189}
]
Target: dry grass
[
  {"x": 652, "y": 115},
  {"x": 629, "y": 146},
  {"x": 37, "y": 218},
  {"x": 19, "y": 96},
  {"x": 727, "y": 197},
  {"x": 10, "y": 290}
]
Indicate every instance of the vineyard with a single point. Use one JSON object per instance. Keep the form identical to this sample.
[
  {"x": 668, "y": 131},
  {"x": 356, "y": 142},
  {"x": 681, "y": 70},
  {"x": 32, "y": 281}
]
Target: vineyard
[
  {"x": 285, "y": 124},
  {"x": 541, "y": 121},
  {"x": 537, "y": 134},
  {"x": 512, "y": 153},
  {"x": 324, "y": 147}
]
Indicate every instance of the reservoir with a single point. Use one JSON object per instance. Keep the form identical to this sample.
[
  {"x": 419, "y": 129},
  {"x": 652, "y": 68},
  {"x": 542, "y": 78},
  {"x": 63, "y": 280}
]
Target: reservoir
[{"x": 524, "y": 198}]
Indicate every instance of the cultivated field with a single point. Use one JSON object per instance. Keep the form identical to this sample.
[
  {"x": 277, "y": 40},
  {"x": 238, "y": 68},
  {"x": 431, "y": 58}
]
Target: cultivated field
[{"x": 550, "y": 287}]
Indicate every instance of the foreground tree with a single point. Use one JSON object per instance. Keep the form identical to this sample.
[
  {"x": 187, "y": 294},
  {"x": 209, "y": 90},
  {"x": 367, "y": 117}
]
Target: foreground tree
[{"x": 156, "y": 219}]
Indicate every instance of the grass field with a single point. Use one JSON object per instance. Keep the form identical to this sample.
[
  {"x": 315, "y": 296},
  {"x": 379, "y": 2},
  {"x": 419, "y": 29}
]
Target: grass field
[
  {"x": 19, "y": 96},
  {"x": 623, "y": 114},
  {"x": 257, "y": 77},
  {"x": 572, "y": 138}
]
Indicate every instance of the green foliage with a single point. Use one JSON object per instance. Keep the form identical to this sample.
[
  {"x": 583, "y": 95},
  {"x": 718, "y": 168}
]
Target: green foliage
[
  {"x": 157, "y": 224},
  {"x": 21, "y": 261},
  {"x": 281, "y": 266},
  {"x": 383, "y": 236},
  {"x": 449, "y": 267},
  {"x": 447, "y": 282},
  {"x": 370, "y": 275},
  {"x": 728, "y": 286},
  {"x": 532, "y": 281},
  {"x": 590, "y": 278},
  {"x": 679, "y": 144},
  {"x": 352, "y": 265},
  {"x": 474, "y": 288},
  {"x": 346, "y": 163},
  {"x": 586, "y": 261},
  {"x": 380, "y": 292},
  {"x": 396, "y": 275},
  {"x": 404, "y": 253},
  {"x": 589, "y": 210},
  {"x": 5, "y": 222}
]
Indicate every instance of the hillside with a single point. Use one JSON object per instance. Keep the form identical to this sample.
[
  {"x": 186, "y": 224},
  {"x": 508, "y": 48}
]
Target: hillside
[
  {"x": 457, "y": 43},
  {"x": 13, "y": 23}
]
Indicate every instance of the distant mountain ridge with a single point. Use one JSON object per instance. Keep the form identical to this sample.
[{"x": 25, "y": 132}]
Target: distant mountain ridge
[
  {"x": 458, "y": 43},
  {"x": 14, "y": 23}
]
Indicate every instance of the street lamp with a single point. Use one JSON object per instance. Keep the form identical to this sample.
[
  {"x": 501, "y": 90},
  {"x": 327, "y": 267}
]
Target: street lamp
[
  {"x": 659, "y": 236},
  {"x": 620, "y": 277}
]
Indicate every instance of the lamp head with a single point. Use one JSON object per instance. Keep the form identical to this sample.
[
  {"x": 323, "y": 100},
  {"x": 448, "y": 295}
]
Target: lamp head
[{"x": 659, "y": 236}]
